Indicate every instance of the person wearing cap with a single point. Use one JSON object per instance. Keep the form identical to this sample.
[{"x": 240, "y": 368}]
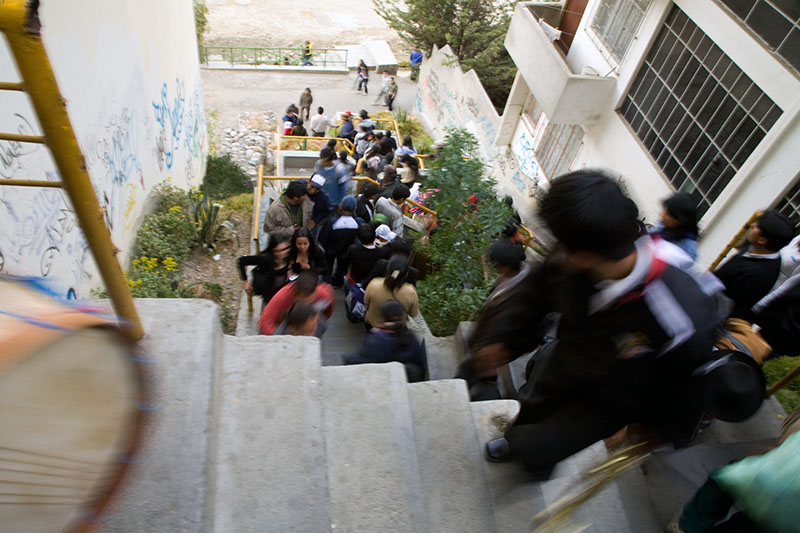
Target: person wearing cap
[
  {"x": 365, "y": 206},
  {"x": 347, "y": 131},
  {"x": 393, "y": 209},
  {"x": 289, "y": 212},
  {"x": 320, "y": 199},
  {"x": 336, "y": 236},
  {"x": 633, "y": 328}
]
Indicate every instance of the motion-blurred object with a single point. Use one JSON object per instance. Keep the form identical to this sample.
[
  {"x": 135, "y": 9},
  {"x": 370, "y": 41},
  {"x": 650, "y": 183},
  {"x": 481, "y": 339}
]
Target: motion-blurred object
[{"x": 70, "y": 397}]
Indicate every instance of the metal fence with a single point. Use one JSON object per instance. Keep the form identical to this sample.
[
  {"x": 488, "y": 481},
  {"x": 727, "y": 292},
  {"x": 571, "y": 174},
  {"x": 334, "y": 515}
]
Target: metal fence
[{"x": 279, "y": 57}]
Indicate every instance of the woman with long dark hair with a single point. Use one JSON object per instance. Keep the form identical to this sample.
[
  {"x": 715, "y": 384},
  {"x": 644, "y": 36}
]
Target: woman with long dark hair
[
  {"x": 305, "y": 254},
  {"x": 393, "y": 286},
  {"x": 271, "y": 267},
  {"x": 679, "y": 223}
]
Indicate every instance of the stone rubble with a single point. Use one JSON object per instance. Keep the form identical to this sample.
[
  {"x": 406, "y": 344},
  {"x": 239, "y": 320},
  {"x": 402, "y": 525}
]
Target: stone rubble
[{"x": 248, "y": 143}]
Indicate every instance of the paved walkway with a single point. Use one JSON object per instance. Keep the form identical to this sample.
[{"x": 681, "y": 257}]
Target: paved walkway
[{"x": 231, "y": 92}]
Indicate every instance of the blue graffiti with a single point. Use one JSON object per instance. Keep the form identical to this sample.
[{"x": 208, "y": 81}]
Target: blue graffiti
[
  {"x": 518, "y": 182},
  {"x": 527, "y": 158},
  {"x": 172, "y": 113}
]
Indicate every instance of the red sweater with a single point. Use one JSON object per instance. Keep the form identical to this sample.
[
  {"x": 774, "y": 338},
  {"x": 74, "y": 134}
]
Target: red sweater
[{"x": 277, "y": 308}]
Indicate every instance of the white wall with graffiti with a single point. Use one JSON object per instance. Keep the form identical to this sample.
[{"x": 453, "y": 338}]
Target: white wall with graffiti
[
  {"x": 448, "y": 97},
  {"x": 129, "y": 73}
]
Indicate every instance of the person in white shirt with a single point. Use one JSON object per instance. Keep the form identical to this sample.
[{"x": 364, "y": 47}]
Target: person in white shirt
[
  {"x": 384, "y": 86},
  {"x": 320, "y": 123}
]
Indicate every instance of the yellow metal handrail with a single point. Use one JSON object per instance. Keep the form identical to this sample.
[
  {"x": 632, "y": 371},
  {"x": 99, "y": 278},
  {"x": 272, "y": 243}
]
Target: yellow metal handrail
[
  {"x": 346, "y": 144},
  {"x": 38, "y": 80},
  {"x": 736, "y": 238}
]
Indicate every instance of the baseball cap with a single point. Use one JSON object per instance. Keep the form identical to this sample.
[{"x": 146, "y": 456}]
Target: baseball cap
[
  {"x": 318, "y": 180},
  {"x": 348, "y": 203}
]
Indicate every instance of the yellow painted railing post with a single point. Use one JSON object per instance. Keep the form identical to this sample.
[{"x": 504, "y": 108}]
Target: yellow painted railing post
[{"x": 40, "y": 84}]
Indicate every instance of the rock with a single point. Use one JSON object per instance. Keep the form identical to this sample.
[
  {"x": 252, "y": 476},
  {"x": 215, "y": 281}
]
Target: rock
[{"x": 249, "y": 154}]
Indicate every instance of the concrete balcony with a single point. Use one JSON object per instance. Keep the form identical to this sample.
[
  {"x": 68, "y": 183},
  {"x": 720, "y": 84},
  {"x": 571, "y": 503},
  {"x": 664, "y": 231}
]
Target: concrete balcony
[{"x": 565, "y": 96}]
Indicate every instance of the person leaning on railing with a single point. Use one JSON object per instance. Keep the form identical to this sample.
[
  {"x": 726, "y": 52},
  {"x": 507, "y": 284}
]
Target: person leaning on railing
[{"x": 320, "y": 123}]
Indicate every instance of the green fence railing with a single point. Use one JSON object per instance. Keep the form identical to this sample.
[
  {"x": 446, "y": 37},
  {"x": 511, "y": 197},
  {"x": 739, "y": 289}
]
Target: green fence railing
[{"x": 290, "y": 57}]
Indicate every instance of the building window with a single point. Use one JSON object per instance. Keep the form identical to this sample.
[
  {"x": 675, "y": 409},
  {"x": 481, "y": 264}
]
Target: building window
[
  {"x": 695, "y": 111},
  {"x": 558, "y": 147},
  {"x": 776, "y": 22},
  {"x": 789, "y": 204},
  {"x": 616, "y": 22}
]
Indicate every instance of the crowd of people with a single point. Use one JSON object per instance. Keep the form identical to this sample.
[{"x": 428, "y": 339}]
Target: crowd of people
[{"x": 629, "y": 336}]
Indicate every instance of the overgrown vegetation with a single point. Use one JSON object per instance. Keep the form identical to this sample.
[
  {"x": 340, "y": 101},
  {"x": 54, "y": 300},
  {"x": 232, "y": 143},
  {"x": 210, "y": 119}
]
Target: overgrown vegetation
[
  {"x": 200, "y": 23},
  {"x": 166, "y": 234},
  {"x": 456, "y": 252},
  {"x": 774, "y": 370},
  {"x": 224, "y": 178},
  {"x": 474, "y": 29},
  {"x": 408, "y": 124},
  {"x": 207, "y": 226}
]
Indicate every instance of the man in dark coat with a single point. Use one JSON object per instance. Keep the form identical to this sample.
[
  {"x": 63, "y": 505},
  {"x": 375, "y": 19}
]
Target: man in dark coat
[{"x": 632, "y": 329}]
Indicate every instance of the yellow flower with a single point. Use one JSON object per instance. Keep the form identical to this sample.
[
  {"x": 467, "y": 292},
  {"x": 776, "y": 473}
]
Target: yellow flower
[{"x": 175, "y": 209}]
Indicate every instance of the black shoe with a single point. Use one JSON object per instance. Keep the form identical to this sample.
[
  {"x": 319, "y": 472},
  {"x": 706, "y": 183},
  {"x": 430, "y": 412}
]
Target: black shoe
[{"x": 498, "y": 450}]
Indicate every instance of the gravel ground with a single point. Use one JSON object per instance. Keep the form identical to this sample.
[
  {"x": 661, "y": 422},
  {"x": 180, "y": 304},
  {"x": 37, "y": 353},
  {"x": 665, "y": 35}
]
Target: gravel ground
[{"x": 273, "y": 23}]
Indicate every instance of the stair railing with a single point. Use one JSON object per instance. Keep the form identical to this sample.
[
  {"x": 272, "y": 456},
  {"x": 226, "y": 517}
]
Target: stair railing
[{"x": 20, "y": 24}]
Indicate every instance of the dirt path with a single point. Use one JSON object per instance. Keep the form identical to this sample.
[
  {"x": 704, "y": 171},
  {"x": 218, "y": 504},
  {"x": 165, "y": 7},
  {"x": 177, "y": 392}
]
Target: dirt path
[{"x": 274, "y": 23}]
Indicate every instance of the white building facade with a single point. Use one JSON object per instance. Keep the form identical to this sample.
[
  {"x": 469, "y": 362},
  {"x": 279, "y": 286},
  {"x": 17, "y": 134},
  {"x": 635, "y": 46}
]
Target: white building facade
[{"x": 697, "y": 96}]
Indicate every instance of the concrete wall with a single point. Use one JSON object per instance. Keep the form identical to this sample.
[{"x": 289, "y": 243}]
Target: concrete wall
[
  {"x": 449, "y": 97},
  {"x": 129, "y": 72}
]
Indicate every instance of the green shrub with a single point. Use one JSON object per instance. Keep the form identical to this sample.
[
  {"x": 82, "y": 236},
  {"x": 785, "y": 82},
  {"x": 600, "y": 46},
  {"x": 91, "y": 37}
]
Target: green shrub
[
  {"x": 207, "y": 227},
  {"x": 774, "y": 370},
  {"x": 165, "y": 235},
  {"x": 456, "y": 252},
  {"x": 168, "y": 197},
  {"x": 444, "y": 304},
  {"x": 224, "y": 178},
  {"x": 150, "y": 278},
  {"x": 241, "y": 204}
]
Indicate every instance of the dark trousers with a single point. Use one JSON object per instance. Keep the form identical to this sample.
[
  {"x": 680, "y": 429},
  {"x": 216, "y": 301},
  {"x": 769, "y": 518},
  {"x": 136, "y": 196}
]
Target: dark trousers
[
  {"x": 542, "y": 439},
  {"x": 363, "y": 81},
  {"x": 389, "y": 101},
  {"x": 338, "y": 273}
]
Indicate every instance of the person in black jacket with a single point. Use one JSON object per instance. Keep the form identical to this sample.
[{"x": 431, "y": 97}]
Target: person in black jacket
[
  {"x": 750, "y": 275},
  {"x": 362, "y": 255},
  {"x": 392, "y": 341},
  {"x": 631, "y": 331},
  {"x": 271, "y": 267},
  {"x": 365, "y": 207},
  {"x": 336, "y": 236}
]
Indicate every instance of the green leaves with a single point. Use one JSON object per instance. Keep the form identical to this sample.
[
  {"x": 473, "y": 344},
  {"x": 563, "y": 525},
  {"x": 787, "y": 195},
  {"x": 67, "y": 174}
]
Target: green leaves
[
  {"x": 474, "y": 29},
  {"x": 205, "y": 216},
  {"x": 457, "y": 249}
]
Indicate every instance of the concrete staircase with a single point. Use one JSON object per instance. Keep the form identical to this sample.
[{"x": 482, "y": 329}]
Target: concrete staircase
[{"x": 254, "y": 434}]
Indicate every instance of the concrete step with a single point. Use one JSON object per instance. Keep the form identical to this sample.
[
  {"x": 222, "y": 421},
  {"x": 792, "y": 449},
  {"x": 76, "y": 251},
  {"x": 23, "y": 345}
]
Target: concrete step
[
  {"x": 442, "y": 363},
  {"x": 268, "y": 462},
  {"x": 622, "y": 505},
  {"x": 373, "y": 474},
  {"x": 382, "y": 55},
  {"x": 516, "y": 499},
  {"x": 167, "y": 487},
  {"x": 462, "y": 334},
  {"x": 357, "y": 52},
  {"x": 450, "y": 461}
]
